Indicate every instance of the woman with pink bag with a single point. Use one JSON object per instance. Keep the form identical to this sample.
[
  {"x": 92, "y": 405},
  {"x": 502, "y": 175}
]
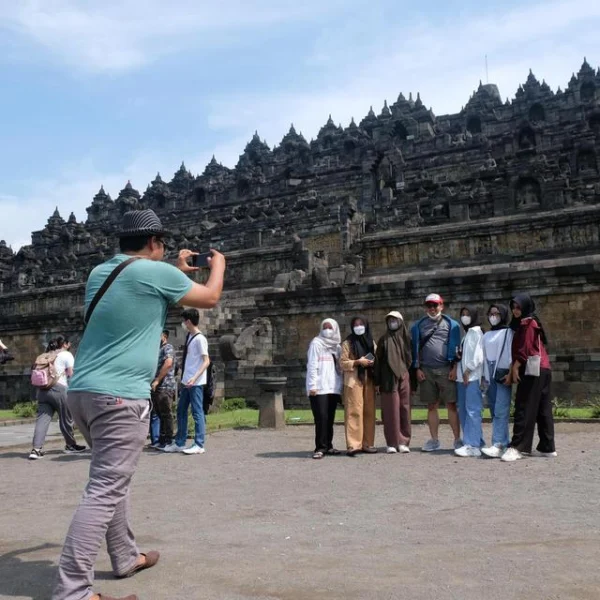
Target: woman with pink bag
[{"x": 532, "y": 373}]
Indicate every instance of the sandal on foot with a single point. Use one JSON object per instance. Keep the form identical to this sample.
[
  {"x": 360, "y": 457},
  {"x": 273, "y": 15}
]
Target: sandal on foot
[
  {"x": 151, "y": 559},
  {"x": 352, "y": 452},
  {"x": 317, "y": 455},
  {"x": 370, "y": 450}
]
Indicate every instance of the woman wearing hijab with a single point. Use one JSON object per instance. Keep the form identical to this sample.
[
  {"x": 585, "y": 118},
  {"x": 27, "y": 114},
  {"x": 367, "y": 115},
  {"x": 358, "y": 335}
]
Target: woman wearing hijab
[
  {"x": 468, "y": 382},
  {"x": 324, "y": 384},
  {"x": 532, "y": 373},
  {"x": 496, "y": 373},
  {"x": 358, "y": 355},
  {"x": 393, "y": 357}
]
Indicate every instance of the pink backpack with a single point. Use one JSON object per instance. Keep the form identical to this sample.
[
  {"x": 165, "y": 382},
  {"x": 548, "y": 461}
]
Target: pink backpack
[{"x": 43, "y": 371}]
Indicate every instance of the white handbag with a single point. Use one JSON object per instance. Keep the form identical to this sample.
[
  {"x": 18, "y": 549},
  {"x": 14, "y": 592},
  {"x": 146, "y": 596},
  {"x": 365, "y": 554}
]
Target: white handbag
[{"x": 532, "y": 367}]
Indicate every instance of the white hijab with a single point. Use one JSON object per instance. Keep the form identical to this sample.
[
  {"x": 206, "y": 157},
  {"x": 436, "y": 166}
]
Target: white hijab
[{"x": 331, "y": 344}]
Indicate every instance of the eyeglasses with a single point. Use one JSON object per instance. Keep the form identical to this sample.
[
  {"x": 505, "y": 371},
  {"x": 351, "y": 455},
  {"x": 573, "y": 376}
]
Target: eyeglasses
[{"x": 431, "y": 305}]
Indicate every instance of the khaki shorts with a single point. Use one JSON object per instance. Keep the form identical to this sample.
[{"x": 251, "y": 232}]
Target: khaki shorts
[{"x": 437, "y": 387}]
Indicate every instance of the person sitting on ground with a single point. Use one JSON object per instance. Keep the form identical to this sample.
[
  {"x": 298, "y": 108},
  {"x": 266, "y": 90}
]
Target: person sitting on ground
[
  {"x": 324, "y": 384},
  {"x": 392, "y": 360},
  {"x": 468, "y": 383},
  {"x": 435, "y": 339},
  {"x": 532, "y": 373},
  {"x": 195, "y": 362},
  {"x": 496, "y": 373},
  {"x": 358, "y": 357},
  {"x": 54, "y": 400}
]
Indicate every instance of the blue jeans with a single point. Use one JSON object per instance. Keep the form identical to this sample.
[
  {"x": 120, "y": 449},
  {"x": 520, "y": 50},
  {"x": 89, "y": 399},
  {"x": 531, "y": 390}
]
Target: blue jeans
[
  {"x": 154, "y": 428},
  {"x": 193, "y": 397},
  {"x": 470, "y": 406},
  {"x": 498, "y": 396}
]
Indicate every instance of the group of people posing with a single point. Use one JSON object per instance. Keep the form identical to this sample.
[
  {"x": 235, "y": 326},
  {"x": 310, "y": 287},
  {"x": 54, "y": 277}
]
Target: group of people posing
[{"x": 445, "y": 361}]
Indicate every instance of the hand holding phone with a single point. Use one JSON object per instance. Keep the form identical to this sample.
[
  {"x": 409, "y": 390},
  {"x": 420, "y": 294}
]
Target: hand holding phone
[
  {"x": 200, "y": 260},
  {"x": 370, "y": 357}
]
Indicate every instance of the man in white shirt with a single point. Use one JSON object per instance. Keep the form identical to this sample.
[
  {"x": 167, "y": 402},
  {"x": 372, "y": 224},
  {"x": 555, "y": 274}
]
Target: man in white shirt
[{"x": 194, "y": 364}]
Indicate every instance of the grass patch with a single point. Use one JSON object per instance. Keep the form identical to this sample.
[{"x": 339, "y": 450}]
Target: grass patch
[{"x": 7, "y": 415}]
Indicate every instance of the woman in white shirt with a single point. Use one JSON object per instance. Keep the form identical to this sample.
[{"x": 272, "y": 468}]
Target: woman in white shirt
[
  {"x": 468, "y": 383},
  {"x": 55, "y": 400},
  {"x": 324, "y": 384},
  {"x": 496, "y": 373}
]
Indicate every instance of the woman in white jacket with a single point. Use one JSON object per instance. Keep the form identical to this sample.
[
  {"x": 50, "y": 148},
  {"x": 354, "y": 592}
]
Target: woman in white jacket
[
  {"x": 324, "y": 384},
  {"x": 496, "y": 372},
  {"x": 468, "y": 383}
]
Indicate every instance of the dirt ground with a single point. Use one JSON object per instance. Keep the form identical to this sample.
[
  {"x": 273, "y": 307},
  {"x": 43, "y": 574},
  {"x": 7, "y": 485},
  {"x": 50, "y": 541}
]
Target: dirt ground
[{"x": 256, "y": 519}]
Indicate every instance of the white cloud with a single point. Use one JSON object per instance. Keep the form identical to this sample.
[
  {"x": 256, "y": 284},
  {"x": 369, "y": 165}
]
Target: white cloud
[{"x": 118, "y": 35}]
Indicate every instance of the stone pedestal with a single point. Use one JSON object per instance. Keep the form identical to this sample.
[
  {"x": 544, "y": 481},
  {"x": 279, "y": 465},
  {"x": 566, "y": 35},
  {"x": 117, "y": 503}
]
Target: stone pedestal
[{"x": 270, "y": 404}]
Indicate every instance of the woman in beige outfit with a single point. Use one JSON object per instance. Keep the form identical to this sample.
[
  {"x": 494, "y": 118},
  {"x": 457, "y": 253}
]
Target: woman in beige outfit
[{"x": 358, "y": 353}]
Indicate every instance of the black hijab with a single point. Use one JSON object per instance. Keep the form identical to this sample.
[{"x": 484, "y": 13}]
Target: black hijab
[
  {"x": 361, "y": 345},
  {"x": 503, "y": 310},
  {"x": 474, "y": 314},
  {"x": 525, "y": 301}
]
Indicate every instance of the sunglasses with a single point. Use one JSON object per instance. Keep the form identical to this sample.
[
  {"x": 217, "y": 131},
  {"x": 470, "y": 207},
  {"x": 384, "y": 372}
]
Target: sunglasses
[{"x": 431, "y": 305}]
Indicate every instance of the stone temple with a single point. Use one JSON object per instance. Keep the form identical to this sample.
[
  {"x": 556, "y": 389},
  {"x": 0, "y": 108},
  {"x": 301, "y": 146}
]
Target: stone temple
[{"x": 502, "y": 197}]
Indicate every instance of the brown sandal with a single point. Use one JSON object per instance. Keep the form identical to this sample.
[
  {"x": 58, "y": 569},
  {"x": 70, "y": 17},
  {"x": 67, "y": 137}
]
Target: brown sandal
[{"x": 151, "y": 559}]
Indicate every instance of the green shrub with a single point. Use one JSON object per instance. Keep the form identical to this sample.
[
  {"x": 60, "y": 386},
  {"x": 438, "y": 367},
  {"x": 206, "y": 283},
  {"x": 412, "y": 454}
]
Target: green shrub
[
  {"x": 25, "y": 410},
  {"x": 232, "y": 404},
  {"x": 595, "y": 406},
  {"x": 560, "y": 408}
]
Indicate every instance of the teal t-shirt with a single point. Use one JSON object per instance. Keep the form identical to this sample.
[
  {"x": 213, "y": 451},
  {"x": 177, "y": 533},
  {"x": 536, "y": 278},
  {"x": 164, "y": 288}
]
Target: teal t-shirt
[{"x": 119, "y": 349}]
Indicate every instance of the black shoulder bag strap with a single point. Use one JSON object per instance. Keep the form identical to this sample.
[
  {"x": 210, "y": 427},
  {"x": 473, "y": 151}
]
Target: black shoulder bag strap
[
  {"x": 107, "y": 283},
  {"x": 188, "y": 341}
]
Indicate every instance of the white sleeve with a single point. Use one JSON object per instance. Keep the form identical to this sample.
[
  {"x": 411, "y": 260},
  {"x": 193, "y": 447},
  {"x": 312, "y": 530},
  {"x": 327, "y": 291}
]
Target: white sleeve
[
  {"x": 202, "y": 345},
  {"x": 312, "y": 368},
  {"x": 486, "y": 369},
  {"x": 69, "y": 360},
  {"x": 473, "y": 351}
]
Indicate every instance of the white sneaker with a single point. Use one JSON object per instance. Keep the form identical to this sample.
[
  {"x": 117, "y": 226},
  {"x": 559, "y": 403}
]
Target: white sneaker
[
  {"x": 540, "y": 454},
  {"x": 511, "y": 455},
  {"x": 173, "y": 447},
  {"x": 458, "y": 444},
  {"x": 391, "y": 450},
  {"x": 494, "y": 451},
  {"x": 467, "y": 451},
  {"x": 194, "y": 449},
  {"x": 404, "y": 449},
  {"x": 431, "y": 446}
]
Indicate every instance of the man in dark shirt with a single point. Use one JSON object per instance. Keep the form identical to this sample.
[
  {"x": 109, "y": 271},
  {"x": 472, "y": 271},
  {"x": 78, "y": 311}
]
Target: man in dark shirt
[{"x": 163, "y": 389}]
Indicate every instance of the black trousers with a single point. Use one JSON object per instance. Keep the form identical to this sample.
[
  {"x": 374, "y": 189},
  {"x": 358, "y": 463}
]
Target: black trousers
[
  {"x": 323, "y": 408},
  {"x": 162, "y": 401},
  {"x": 533, "y": 405}
]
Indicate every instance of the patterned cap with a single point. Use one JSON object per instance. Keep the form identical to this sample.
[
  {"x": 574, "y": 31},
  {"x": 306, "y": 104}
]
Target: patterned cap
[{"x": 141, "y": 222}]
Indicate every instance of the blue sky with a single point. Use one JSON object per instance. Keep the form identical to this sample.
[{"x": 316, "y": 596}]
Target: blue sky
[{"x": 98, "y": 92}]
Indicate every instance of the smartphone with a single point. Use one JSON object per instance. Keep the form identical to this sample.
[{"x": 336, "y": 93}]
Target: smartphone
[
  {"x": 201, "y": 260},
  {"x": 369, "y": 356}
]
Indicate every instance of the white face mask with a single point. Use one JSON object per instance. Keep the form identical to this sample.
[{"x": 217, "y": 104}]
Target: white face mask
[
  {"x": 359, "y": 330},
  {"x": 494, "y": 320},
  {"x": 436, "y": 317},
  {"x": 327, "y": 333},
  {"x": 183, "y": 325},
  {"x": 393, "y": 325},
  {"x": 465, "y": 320}
]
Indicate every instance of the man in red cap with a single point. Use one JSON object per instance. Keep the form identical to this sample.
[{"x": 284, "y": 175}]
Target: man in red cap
[{"x": 435, "y": 340}]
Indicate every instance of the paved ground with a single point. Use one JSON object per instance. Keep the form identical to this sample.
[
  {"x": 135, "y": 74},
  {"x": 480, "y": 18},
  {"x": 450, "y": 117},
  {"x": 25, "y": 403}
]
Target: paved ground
[
  {"x": 13, "y": 435},
  {"x": 255, "y": 519}
]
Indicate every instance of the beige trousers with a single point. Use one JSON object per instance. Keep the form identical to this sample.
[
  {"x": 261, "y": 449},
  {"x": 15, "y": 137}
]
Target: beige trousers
[{"x": 359, "y": 415}]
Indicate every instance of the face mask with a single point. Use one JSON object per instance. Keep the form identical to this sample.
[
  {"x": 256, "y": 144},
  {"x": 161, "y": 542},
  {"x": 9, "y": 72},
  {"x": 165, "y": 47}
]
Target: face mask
[
  {"x": 327, "y": 333},
  {"x": 359, "y": 330},
  {"x": 436, "y": 317},
  {"x": 494, "y": 320},
  {"x": 466, "y": 320},
  {"x": 393, "y": 325},
  {"x": 183, "y": 325}
]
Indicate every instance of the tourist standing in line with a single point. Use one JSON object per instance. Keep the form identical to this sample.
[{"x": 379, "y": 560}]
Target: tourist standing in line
[
  {"x": 324, "y": 384},
  {"x": 163, "y": 389},
  {"x": 496, "y": 373},
  {"x": 54, "y": 400},
  {"x": 392, "y": 360},
  {"x": 435, "y": 340},
  {"x": 358, "y": 357},
  {"x": 194, "y": 364},
  {"x": 532, "y": 373},
  {"x": 110, "y": 391},
  {"x": 468, "y": 383}
]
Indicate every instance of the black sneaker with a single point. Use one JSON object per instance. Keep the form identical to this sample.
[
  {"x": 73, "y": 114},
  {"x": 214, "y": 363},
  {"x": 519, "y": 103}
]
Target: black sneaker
[
  {"x": 36, "y": 453},
  {"x": 75, "y": 449}
]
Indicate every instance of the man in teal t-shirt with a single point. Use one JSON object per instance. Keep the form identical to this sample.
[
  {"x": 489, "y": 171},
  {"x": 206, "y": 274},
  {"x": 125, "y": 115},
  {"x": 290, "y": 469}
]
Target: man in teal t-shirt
[{"x": 109, "y": 394}]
